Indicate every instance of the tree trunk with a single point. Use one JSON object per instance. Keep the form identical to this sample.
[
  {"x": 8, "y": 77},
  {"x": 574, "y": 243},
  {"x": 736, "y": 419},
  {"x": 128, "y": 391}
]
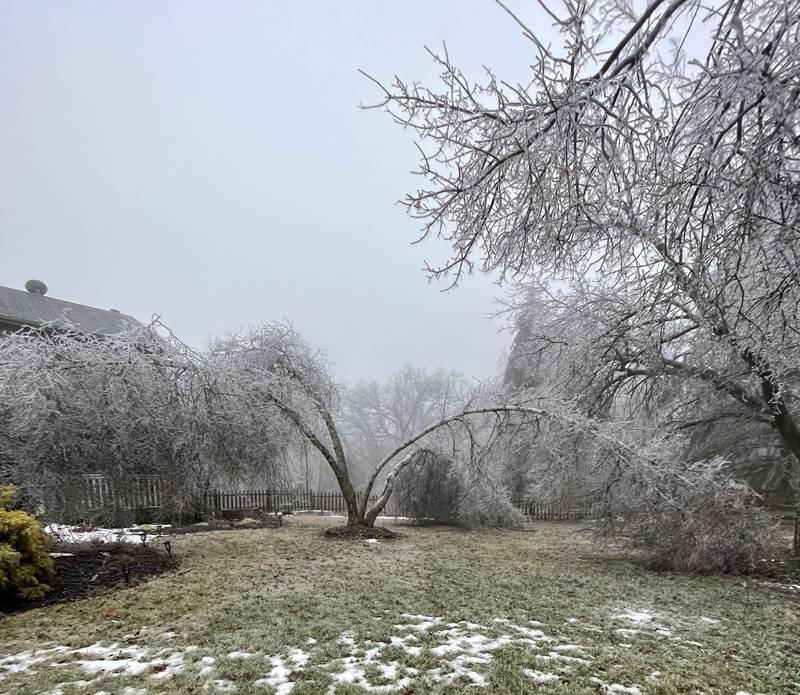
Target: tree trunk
[
  {"x": 354, "y": 516},
  {"x": 374, "y": 511}
]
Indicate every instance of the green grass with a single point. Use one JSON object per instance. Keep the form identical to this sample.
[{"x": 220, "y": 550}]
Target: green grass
[{"x": 267, "y": 591}]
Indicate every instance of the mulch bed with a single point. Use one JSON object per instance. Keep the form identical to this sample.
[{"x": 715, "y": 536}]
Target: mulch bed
[
  {"x": 360, "y": 532},
  {"x": 94, "y": 567}
]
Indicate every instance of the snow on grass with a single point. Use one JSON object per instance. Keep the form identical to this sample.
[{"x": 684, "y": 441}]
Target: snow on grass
[
  {"x": 556, "y": 656},
  {"x": 452, "y": 652},
  {"x": 541, "y": 677},
  {"x": 644, "y": 622},
  {"x": 434, "y": 651},
  {"x": 637, "y": 617},
  {"x": 627, "y": 632},
  {"x": 22, "y": 662},
  {"x": 569, "y": 648},
  {"x": 282, "y": 669},
  {"x": 206, "y": 666},
  {"x": 616, "y": 687},
  {"x": 240, "y": 655}
]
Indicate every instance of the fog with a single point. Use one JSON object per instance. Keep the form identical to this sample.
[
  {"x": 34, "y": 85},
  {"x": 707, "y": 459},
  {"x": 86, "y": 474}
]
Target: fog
[{"x": 209, "y": 163}]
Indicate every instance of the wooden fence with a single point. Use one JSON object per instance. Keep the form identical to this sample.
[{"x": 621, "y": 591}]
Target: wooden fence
[
  {"x": 98, "y": 492},
  {"x": 126, "y": 492},
  {"x": 267, "y": 500},
  {"x": 552, "y": 512}
]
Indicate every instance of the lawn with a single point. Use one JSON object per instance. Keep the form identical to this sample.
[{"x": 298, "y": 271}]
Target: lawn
[{"x": 438, "y": 610}]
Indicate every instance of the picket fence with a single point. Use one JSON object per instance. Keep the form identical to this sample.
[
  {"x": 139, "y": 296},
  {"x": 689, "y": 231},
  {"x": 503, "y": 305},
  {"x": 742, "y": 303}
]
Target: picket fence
[
  {"x": 553, "y": 512},
  {"x": 267, "y": 500},
  {"x": 97, "y": 492},
  {"x": 126, "y": 492}
]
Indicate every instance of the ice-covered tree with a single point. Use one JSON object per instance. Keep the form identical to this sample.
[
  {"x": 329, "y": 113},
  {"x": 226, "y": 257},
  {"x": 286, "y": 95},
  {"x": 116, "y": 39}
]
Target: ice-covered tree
[
  {"x": 272, "y": 368},
  {"x": 654, "y": 156},
  {"x": 132, "y": 404}
]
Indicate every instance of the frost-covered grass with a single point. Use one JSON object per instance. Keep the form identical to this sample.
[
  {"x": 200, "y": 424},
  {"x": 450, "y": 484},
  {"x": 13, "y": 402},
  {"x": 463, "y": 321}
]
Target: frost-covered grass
[{"x": 439, "y": 610}]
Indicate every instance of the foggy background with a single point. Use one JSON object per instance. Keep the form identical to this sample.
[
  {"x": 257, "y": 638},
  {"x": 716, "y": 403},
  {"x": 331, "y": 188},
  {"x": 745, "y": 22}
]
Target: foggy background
[{"x": 208, "y": 162}]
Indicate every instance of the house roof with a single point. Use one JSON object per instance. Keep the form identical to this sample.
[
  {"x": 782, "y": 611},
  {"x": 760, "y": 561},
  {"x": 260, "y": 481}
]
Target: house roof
[{"x": 20, "y": 308}]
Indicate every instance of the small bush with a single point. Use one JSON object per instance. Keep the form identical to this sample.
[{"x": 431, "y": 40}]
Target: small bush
[
  {"x": 25, "y": 567},
  {"x": 429, "y": 488}
]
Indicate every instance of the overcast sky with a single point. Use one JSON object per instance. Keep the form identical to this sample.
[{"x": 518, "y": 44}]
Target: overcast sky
[{"x": 208, "y": 162}]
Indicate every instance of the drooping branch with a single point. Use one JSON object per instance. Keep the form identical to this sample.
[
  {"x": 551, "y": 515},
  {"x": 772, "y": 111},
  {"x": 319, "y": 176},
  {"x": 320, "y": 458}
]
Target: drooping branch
[{"x": 444, "y": 422}]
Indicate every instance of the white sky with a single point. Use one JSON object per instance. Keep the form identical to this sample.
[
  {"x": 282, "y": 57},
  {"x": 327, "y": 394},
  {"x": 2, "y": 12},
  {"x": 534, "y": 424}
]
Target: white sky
[{"x": 207, "y": 161}]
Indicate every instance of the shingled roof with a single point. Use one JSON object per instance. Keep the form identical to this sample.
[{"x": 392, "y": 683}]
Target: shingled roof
[{"x": 19, "y": 308}]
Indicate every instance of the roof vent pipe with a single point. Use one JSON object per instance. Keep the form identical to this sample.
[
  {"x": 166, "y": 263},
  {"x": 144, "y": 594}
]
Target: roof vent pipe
[{"x": 36, "y": 287}]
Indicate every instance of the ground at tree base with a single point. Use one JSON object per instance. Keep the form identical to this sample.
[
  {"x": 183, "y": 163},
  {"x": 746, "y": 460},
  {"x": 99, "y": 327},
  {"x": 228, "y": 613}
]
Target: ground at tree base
[
  {"x": 363, "y": 532},
  {"x": 438, "y": 610}
]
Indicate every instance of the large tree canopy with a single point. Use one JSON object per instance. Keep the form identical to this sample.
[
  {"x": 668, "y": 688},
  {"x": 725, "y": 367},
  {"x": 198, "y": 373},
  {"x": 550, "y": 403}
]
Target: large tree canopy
[{"x": 664, "y": 176}]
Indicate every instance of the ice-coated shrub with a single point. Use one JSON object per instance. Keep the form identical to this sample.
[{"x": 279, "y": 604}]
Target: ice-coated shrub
[
  {"x": 25, "y": 567},
  {"x": 696, "y": 519},
  {"x": 484, "y": 504},
  {"x": 429, "y": 488}
]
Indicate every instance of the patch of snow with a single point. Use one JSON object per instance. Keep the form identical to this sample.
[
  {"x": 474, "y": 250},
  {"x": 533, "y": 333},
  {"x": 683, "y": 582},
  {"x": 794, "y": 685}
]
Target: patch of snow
[
  {"x": 424, "y": 626},
  {"x": 616, "y": 687},
  {"x": 282, "y": 669},
  {"x": 371, "y": 541},
  {"x": 67, "y": 534},
  {"x": 541, "y": 677},
  {"x": 627, "y": 632},
  {"x": 127, "y": 667},
  {"x": 417, "y": 616},
  {"x": 563, "y": 657},
  {"x": 347, "y": 640},
  {"x": 530, "y": 633},
  {"x": 635, "y": 616},
  {"x": 710, "y": 621},
  {"x": 240, "y": 655},
  {"x": 206, "y": 665},
  {"x": 297, "y": 657},
  {"x": 22, "y": 662},
  {"x": 171, "y": 665}
]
